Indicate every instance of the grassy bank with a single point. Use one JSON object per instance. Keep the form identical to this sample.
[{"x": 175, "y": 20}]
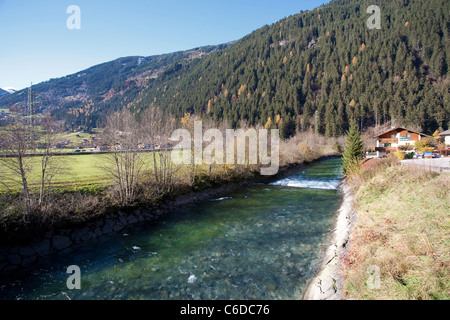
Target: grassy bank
[{"x": 402, "y": 236}]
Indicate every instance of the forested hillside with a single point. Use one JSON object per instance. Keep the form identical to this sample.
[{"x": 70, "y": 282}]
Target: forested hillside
[
  {"x": 312, "y": 71},
  {"x": 315, "y": 70}
]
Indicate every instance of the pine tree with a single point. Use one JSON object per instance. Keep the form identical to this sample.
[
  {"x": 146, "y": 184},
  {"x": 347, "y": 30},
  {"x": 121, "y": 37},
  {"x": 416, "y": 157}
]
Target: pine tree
[{"x": 353, "y": 153}]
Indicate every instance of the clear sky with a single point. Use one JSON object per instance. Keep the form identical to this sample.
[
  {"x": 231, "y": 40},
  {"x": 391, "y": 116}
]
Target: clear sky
[{"x": 36, "y": 44}]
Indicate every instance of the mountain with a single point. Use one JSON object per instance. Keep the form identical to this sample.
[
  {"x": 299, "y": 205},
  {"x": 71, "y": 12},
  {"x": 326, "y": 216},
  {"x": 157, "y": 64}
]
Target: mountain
[
  {"x": 10, "y": 90},
  {"x": 82, "y": 97},
  {"x": 7, "y": 91},
  {"x": 3, "y": 92},
  {"x": 314, "y": 70}
]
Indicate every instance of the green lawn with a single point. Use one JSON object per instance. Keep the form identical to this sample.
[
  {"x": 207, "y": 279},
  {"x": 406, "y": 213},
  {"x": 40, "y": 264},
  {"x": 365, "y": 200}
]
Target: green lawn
[
  {"x": 77, "y": 171},
  {"x": 81, "y": 171}
]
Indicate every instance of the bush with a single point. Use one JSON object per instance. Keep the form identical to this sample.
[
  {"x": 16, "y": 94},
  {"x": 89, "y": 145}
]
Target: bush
[
  {"x": 424, "y": 145},
  {"x": 406, "y": 147},
  {"x": 400, "y": 155},
  {"x": 409, "y": 156}
]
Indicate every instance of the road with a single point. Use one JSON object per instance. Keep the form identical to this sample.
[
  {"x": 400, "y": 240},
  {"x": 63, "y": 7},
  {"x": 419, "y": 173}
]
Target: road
[{"x": 435, "y": 165}]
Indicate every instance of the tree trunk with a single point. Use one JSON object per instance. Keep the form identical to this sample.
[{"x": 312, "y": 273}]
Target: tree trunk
[
  {"x": 26, "y": 191},
  {"x": 43, "y": 177}
]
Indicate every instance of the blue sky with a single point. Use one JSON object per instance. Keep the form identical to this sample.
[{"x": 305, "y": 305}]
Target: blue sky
[{"x": 36, "y": 45}]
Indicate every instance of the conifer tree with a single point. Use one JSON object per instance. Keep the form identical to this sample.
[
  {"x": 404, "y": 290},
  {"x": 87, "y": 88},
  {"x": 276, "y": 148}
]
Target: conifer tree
[{"x": 353, "y": 153}]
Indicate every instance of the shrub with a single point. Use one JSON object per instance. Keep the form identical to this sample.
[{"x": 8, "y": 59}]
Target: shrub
[
  {"x": 424, "y": 145},
  {"x": 406, "y": 147},
  {"x": 400, "y": 155}
]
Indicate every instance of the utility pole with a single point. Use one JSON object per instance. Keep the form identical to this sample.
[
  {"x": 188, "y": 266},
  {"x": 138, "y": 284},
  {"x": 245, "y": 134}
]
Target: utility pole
[{"x": 30, "y": 103}]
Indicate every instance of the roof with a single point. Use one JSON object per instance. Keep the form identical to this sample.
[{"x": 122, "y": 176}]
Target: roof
[
  {"x": 445, "y": 133},
  {"x": 394, "y": 129}
]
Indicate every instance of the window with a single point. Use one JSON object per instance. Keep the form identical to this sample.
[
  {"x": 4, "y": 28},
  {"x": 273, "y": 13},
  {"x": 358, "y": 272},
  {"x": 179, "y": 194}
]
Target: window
[
  {"x": 408, "y": 136},
  {"x": 393, "y": 136}
]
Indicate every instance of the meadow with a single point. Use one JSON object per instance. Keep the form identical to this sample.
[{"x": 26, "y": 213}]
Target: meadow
[
  {"x": 74, "y": 172},
  {"x": 89, "y": 172}
]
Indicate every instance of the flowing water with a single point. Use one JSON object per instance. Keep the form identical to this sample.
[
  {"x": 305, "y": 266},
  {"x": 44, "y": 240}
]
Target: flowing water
[{"x": 262, "y": 242}]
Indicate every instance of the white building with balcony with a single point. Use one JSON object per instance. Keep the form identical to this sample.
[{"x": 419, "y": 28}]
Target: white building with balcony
[{"x": 391, "y": 140}]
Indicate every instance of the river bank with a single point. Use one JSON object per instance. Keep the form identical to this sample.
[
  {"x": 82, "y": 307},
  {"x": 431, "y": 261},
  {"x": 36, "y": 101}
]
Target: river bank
[
  {"x": 328, "y": 283},
  {"x": 17, "y": 255},
  {"x": 388, "y": 244},
  {"x": 400, "y": 242}
]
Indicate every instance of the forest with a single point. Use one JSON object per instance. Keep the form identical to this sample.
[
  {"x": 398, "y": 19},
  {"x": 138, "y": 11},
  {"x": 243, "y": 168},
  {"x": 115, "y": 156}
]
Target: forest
[{"x": 317, "y": 70}]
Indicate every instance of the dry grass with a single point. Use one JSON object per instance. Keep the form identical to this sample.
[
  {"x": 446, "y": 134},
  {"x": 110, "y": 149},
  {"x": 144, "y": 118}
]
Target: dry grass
[
  {"x": 404, "y": 229},
  {"x": 362, "y": 173},
  {"x": 307, "y": 147}
]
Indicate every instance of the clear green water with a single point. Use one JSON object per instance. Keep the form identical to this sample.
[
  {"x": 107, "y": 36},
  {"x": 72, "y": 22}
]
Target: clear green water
[{"x": 262, "y": 242}]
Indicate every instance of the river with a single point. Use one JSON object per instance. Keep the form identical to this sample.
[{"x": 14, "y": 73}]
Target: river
[{"x": 261, "y": 242}]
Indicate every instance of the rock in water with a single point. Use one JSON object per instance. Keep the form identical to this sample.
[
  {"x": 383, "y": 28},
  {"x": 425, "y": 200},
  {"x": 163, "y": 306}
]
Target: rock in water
[
  {"x": 61, "y": 242},
  {"x": 192, "y": 279}
]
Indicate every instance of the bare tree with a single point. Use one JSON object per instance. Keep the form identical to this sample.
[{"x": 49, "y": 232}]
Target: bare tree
[
  {"x": 188, "y": 123},
  {"x": 157, "y": 129},
  {"x": 50, "y": 167},
  {"x": 208, "y": 124},
  {"x": 126, "y": 163},
  {"x": 16, "y": 143}
]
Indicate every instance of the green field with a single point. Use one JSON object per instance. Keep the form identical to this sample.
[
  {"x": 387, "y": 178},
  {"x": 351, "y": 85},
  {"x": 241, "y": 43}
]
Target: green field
[
  {"x": 80, "y": 171},
  {"x": 77, "y": 138},
  {"x": 76, "y": 171}
]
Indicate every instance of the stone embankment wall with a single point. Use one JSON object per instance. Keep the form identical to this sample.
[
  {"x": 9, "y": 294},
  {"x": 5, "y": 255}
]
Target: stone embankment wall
[{"x": 13, "y": 257}]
